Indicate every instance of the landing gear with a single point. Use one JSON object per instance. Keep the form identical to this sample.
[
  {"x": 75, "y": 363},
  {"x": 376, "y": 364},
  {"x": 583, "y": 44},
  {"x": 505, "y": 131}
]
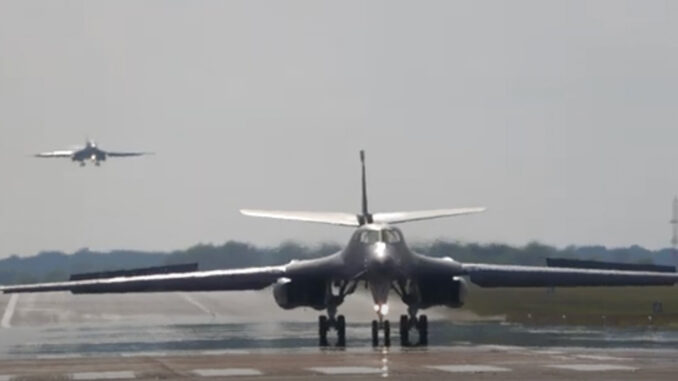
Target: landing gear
[
  {"x": 325, "y": 323},
  {"x": 386, "y": 326},
  {"x": 420, "y": 324}
]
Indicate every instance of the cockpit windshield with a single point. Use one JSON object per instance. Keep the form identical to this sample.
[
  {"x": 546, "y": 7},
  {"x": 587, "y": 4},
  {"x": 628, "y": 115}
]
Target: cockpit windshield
[{"x": 371, "y": 237}]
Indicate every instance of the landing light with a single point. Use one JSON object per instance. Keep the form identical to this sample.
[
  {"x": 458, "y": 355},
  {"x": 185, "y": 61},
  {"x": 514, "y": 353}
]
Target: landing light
[
  {"x": 384, "y": 309},
  {"x": 380, "y": 249}
]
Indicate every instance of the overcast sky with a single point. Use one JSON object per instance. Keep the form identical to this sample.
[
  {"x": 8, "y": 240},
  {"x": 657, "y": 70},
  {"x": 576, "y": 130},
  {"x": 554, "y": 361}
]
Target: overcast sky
[{"x": 560, "y": 117}]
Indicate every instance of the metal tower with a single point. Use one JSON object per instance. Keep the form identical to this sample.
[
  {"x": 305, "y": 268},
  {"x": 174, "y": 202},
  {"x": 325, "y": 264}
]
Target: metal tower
[{"x": 674, "y": 222}]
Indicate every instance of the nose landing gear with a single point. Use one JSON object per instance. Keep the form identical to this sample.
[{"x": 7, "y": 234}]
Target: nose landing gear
[{"x": 385, "y": 325}]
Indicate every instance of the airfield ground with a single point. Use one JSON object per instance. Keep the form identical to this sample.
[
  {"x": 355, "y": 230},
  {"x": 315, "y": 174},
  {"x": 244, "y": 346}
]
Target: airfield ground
[{"x": 58, "y": 336}]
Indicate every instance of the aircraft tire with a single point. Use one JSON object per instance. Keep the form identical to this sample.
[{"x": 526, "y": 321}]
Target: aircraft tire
[
  {"x": 375, "y": 333},
  {"x": 387, "y": 333},
  {"x": 404, "y": 331},
  {"x": 422, "y": 326},
  {"x": 323, "y": 327},
  {"x": 341, "y": 331}
]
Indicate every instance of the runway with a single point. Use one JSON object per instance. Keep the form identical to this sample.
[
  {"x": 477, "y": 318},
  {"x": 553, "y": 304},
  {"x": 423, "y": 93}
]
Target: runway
[
  {"x": 481, "y": 362},
  {"x": 244, "y": 335}
]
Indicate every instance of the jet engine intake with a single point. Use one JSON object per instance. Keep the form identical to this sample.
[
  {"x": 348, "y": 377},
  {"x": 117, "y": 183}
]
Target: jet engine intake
[
  {"x": 302, "y": 293},
  {"x": 450, "y": 292}
]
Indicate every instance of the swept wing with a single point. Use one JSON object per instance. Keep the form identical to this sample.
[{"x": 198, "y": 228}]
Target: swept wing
[
  {"x": 60, "y": 153},
  {"x": 489, "y": 275},
  {"x": 126, "y": 154},
  {"x": 233, "y": 279}
]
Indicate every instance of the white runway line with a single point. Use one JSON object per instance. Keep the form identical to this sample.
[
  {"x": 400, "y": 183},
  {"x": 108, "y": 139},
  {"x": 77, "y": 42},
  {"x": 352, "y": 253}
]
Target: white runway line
[
  {"x": 60, "y": 356},
  {"x": 346, "y": 370},
  {"x": 6, "y": 377},
  {"x": 601, "y": 358},
  {"x": 9, "y": 311},
  {"x": 593, "y": 367},
  {"x": 120, "y": 375},
  {"x": 144, "y": 354},
  {"x": 227, "y": 372},
  {"x": 219, "y": 352},
  {"x": 469, "y": 368},
  {"x": 196, "y": 303}
]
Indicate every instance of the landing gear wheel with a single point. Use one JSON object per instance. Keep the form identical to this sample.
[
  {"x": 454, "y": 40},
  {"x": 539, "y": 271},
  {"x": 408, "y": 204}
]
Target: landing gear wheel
[
  {"x": 422, "y": 327},
  {"x": 341, "y": 331},
  {"x": 323, "y": 327},
  {"x": 375, "y": 333},
  {"x": 404, "y": 331},
  {"x": 387, "y": 333}
]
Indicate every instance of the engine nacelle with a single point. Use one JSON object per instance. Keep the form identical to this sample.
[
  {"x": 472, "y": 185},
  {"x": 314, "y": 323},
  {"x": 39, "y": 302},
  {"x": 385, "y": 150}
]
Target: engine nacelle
[
  {"x": 450, "y": 292},
  {"x": 301, "y": 293}
]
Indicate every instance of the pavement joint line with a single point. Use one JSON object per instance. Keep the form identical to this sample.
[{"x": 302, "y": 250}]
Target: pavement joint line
[
  {"x": 593, "y": 367},
  {"x": 227, "y": 372},
  {"x": 469, "y": 368},
  {"x": 346, "y": 370},
  {"x": 117, "y": 375}
]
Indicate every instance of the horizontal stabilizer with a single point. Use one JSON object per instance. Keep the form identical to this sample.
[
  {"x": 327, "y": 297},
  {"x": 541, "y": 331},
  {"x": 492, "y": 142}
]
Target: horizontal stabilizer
[
  {"x": 333, "y": 218},
  {"x": 397, "y": 217}
]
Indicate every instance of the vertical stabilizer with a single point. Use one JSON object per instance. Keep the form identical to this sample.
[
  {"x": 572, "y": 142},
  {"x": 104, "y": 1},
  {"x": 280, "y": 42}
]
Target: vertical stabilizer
[{"x": 366, "y": 217}]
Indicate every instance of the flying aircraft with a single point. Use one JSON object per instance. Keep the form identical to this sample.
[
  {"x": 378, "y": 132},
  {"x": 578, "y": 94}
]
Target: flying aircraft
[
  {"x": 377, "y": 257},
  {"x": 90, "y": 152}
]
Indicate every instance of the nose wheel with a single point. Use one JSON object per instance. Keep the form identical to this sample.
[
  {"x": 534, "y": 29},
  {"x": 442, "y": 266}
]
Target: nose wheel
[
  {"x": 408, "y": 323},
  {"x": 325, "y": 323},
  {"x": 384, "y": 326}
]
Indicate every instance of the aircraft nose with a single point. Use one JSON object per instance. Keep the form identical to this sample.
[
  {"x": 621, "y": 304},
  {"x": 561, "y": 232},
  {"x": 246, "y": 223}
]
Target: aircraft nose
[{"x": 380, "y": 256}]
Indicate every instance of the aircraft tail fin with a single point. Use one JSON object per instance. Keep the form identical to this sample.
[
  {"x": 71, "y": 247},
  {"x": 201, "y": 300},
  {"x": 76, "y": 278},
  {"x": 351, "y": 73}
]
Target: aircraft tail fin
[{"x": 365, "y": 217}]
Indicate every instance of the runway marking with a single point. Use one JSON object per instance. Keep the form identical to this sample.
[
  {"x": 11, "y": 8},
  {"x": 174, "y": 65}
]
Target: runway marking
[
  {"x": 59, "y": 356},
  {"x": 196, "y": 303},
  {"x": 464, "y": 368},
  {"x": 144, "y": 354},
  {"x": 6, "y": 377},
  {"x": 227, "y": 372},
  {"x": 592, "y": 367},
  {"x": 9, "y": 311},
  {"x": 346, "y": 370},
  {"x": 121, "y": 375},
  {"x": 601, "y": 358},
  {"x": 225, "y": 352}
]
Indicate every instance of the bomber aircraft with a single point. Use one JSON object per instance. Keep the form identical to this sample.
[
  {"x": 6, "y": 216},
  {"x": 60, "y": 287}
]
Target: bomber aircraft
[
  {"x": 377, "y": 257},
  {"x": 89, "y": 152}
]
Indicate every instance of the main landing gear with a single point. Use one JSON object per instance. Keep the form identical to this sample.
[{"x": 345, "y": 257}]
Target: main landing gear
[
  {"x": 339, "y": 325},
  {"x": 407, "y": 323}
]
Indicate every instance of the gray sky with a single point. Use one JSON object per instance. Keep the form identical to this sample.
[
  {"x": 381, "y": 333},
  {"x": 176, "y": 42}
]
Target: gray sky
[{"x": 558, "y": 116}]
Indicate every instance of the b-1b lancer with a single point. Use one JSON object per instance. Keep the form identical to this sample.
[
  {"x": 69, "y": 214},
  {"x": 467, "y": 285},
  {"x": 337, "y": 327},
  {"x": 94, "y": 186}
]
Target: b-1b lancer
[
  {"x": 89, "y": 152},
  {"x": 376, "y": 256}
]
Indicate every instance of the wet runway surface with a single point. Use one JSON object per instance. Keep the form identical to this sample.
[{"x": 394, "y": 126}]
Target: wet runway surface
[{"x": 233, "y": 335}]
